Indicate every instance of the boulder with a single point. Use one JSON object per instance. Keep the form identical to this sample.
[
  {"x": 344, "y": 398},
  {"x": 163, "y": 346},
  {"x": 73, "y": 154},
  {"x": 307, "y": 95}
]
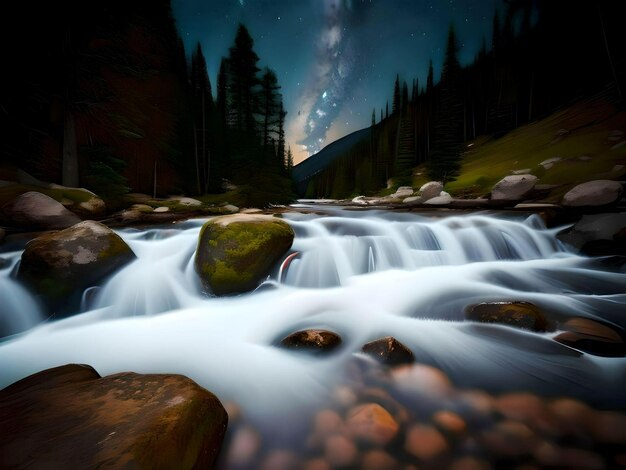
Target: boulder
[
  {"x": 236, "y": 252},
  {"x": 314, "y": 341},
  {"x": 412, "y": 199},
  {"x": 430, "y": 190},
  {"x": 70, "y": 417},
  {"x": 513, "y": 188},
  {"x": 372, "y": 424},
  {"x": 359, "y": 200},
  {"x": 59, "y": 266},
  {"x": 517, "y": 314},
  {"x": 593, "y": 193},
  {"x": 389, "y": 350},
  {"x": 161, "y": 209},
  {"x": 230, "y": 209},
  {"x": 592, "y": 337},
  {"x": 443, "y": 199},
  {"x": 598, "y": 234},
  {"x": 37, "y": 211},
  {"x": 186, "y": 201},
  {"x": 402, "y": 192}
]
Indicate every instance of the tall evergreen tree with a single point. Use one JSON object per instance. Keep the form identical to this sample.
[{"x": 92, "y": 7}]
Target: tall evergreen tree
[
  {"x": 405, "y": 97},
  {"x": 204, "y": 110},
  {"x": 396, "y": 96},
  {"x": 445, "y": 161},
  {"x": 270, "y": 112}
]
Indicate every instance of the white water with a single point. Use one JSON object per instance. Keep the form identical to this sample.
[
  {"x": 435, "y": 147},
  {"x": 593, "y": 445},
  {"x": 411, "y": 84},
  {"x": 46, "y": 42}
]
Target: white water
[{"x": 362, "y": 275}]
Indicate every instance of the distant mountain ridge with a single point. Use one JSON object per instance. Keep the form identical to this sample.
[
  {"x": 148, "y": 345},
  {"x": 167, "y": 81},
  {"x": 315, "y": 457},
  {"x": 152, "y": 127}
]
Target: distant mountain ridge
[{"x": 305, "y": 170}]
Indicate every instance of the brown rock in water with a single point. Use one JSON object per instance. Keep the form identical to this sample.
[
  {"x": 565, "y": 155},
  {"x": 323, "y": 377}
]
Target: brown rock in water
[
  {"x": 592, "y": 337},
  {"x": 425, "y": 442},
  {"x": 378, "y": 460},
  {"x": 509, "y": 439},
  {"x": 244, "y": 447},
  {"x": 340, "y": 451},
  {"x": 389, "y": 350},
  {"x": 69, "y": 417},
  {"x": 517, "y": 314},
  {"x": 316, "y": 341},
  {"x": 372, "y": 423},
  {"x": 421, "y": 379},
  {"x": 449, "y": 422},
  {"x": 281, "y": 460}
]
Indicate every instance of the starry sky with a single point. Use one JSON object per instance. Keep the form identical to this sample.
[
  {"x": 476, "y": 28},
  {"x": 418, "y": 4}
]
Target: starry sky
[{"x": 336, "y": 60}]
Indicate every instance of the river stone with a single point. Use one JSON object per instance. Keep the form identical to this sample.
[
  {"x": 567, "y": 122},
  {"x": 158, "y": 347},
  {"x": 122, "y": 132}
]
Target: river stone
[
  {"x": 372, "y": 424},
  {"x": 598, "y": 234},
  {"x": 593, "y": 193},
  {"x": 38, "y": 211},
  {"x": 592, "y": 337},
  {"x": 69, "y": 417},
  {"x": 236, "y": 252},
  {"x": 430, "y": 190},
  {"x": 425, "y": 442},
  {"x": 359, "y": 200},
  {"x": 513, "y": 188},
  {"x": 58, "y": 266},
  {"x": 517, "y": 314},
  {"x": 389, "y": 350},
  {"x": 315, "y": 341},
  {"x": 443, "y": 199}
]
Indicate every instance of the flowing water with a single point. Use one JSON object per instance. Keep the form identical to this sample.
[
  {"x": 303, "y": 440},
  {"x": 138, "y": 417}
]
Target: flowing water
[{"x": 363, "y": 275}]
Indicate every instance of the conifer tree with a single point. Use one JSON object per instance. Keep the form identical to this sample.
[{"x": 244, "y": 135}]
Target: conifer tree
[{"x": 396, "y": 96}]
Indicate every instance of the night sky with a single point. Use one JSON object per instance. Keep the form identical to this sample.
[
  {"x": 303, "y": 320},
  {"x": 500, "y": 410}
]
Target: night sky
[{"x": 336, "y": 59}]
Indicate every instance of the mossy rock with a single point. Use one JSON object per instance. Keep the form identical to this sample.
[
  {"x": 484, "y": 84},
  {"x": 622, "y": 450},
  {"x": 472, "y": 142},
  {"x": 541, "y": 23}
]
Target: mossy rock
[
  {"x": 516, "y": 314},
  {"x": 71, "y": 417},
  {"x": 58, "y": 266},
  {"x": 236, "y": 252}
]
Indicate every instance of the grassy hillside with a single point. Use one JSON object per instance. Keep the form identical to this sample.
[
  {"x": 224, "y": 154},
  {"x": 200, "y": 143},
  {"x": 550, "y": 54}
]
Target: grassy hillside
[{"x": 587, "y": 141}]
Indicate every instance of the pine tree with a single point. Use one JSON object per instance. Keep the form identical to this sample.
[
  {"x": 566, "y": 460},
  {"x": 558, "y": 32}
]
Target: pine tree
[
  {"x": 204, "y": 110},
  {"x": 289, "y": 162},
  {"x": 430, "y": 79},
  {"x": 271, "y": 113},
  {"x": 405, "y": 97},
  {"x": 445, "y": 161},
  {"x": 396, "y": 96}
]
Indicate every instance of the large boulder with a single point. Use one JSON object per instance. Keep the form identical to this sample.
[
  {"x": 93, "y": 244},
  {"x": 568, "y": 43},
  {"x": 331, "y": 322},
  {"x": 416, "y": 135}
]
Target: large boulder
[
  {"x": 598, "y": 234},
  {"x": 236, "y": 252},
  {"x": 70, "y": 417},
  {"x": 430, "y": 190},
  {"x": 513, "y": 188},
  {"x": 59, "y": 266},
  {"x": 441, "y": 200},
  {"x": 34, "y": 210},
  {"x": 402, "y": 192},
  {"x": 593, "y": 193},
  {"x": 516, "y": 314}
]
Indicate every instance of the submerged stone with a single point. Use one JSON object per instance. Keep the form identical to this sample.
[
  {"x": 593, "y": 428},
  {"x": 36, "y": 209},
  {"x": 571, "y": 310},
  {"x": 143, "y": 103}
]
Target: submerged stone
[
  {"x": 69, "y": 417},
  {"x": 389, "y": 350},
  {"x": 592, "y": 337},
  {"x": 236, "y": 252},
  {"x": 517, "y": 314},
  {"x": 316, "y": 341}
]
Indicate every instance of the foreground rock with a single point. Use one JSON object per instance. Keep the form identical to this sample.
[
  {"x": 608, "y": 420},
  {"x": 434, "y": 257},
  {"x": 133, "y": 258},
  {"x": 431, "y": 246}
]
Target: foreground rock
[
  {"x": 592, "y": 337},
  {"x": 517, "y": 314},
  {"x": 237, "y": 252},
  {"x": 34, "y": 210},
  {"x": 598, "y": 234},
  {"x": 593, "y": 193},
  {"x": 389, "y": 350},
  {"x": 314, "y": 341},
  {"x": 513, "y": 188},
  {"x": 59, "y": 266},
  {"x": 69, "y": 417}
]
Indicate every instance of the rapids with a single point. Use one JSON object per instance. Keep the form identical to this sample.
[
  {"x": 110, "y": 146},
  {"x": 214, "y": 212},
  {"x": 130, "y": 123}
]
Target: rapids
[{"x": 361, "y": 274}]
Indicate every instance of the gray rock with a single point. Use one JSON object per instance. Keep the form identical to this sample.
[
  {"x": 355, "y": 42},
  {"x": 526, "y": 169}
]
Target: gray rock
[
  {"x": 230, "y": 208},
  {"x": 597, "y": 233},
  {"x": 443, "y": 199},
  {"x": 38, "y": 211},
  {"x": 161, "y": 209},
  {"x": 59, "y": 266},
  {"x": 431, "y": 189},
  {"x": 521, "y": 172},
  {"x": 513, "y": 188},
  {"x": 402, "y": 192},
  {"x": 359, "y": 200},
  {"x": 593, "y": 193},
  {"x": 412, "y": 199}
]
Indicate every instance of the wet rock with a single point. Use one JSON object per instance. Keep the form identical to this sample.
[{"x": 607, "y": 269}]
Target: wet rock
[
  {"x": 421, "y": 379},
  {"x": 593, "y": 193},
  {"x": 378, "y": 460},
  {"x": 389, "y": 350},
  {"x": 244, "y": 447},
  {"x": 280, "y": 460},
  {"x": 359, "y": 200},
  {"x": 470, "y": 463},
  {"x": 371, "y": 423},
  {"x": 58, "y": 266},
  {"x": 69, "y": 417},
  {"x": 509, "y": 439},
  {"x": 315, "y": 341},
  {"x": 316, "y": 464},
  {"x": 236, "y": 252},
  {"x": 598, "y": 234},
  {"x": 551, "y": 456},
  {"x": 344, "y": 396},
  {"x": 443, "y": 199},
  {"x": 327, "y": 422},
  {"x": 572, "y": 416},
  {"x": 513, "y": 188},
  {"x": 430, "y": 190},
  {"x": 592, "y": 337},
  {"x": 37, "y": 211},
  {"x": 608, "y": 427},
  {"x": 517, "y": 314},
  {"x": 340, "y": 451},
  {"x": 450, "y": 422},
  {"x": 425, "y": 442},
  {"x": 527, "y": 408}
]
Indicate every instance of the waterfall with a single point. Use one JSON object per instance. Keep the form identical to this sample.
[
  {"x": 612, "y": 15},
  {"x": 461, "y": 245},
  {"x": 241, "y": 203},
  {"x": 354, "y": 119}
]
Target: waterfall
[{"x": 363, "y": 275}]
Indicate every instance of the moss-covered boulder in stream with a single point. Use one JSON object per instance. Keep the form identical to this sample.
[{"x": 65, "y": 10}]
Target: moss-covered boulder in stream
[
  {"x": 236, "y": 252},
  {"x": 58, "y": 266},
  {"x": 70, "y": 417}
]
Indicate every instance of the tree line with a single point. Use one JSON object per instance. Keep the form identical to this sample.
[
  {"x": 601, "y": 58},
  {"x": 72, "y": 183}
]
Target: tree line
[
  {"x": 542, "y": 55},
  {"x": 105, "y": 98}
]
